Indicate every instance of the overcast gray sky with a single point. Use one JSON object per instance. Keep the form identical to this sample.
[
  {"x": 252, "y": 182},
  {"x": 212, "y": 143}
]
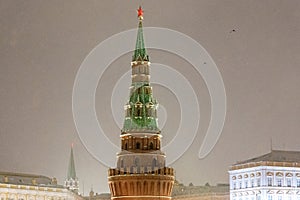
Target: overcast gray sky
[{"x": 43, "y": 44}]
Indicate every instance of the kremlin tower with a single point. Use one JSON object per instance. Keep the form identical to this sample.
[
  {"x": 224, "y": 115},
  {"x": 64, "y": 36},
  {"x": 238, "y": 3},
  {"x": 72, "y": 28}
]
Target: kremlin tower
[
  {"x": 141, "y": 171},
  {"x": 72, "y": 182}
]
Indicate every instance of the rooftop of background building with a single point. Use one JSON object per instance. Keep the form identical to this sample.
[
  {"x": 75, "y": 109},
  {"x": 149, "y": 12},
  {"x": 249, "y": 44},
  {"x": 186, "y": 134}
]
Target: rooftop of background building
[
  {"x": 276, "y": 156},
  {"x": 182, "y": 190},
  {"x": 27, "y": 179},
  {"x": 179, "y": 190}
]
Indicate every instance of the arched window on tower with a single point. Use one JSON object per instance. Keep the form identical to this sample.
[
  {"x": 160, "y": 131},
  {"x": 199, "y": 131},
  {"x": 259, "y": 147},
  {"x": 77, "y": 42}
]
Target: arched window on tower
[
  {"x": 136, "y": 161},
  {"x": 138, "y": 145},
  {"x": 151, "y": 145},
  {"x": 154, "y": 163},
  {"x": 128, "y": 112},
  {"x": 122, "y": 163},
  {"x": 138, "y": 111}
]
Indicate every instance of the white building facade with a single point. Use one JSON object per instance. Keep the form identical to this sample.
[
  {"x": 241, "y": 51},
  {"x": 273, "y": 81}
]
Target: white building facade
[
  {"x": 274, "y": 176},
  {"x": 16, "y": 186}
]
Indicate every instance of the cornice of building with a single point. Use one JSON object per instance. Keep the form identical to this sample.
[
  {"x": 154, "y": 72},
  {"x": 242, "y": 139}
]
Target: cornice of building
[{"x": 264, "y": 163}]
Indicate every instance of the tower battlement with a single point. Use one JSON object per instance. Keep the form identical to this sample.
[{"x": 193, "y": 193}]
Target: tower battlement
[{"x": 141, "y": 186}]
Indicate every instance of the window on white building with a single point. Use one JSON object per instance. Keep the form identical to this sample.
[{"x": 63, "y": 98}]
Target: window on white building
[
  {"x": 258, "y": 197},
  {"x": 234, "y": 185},
  {"x": 252, "y": 182},
  {"x": 298, "y": 182},
  {"x": 270, "y": 181},
  {"x": 289, "y": 182},
  {"x": 246, "y": 184},
  {"x": 279, "y": 182},
  {"x": 240, "y": 184},
  {"x": 270, "y": 197},
  {"x": 258, "y": 182},
  {"x": 279, "y": 197}
]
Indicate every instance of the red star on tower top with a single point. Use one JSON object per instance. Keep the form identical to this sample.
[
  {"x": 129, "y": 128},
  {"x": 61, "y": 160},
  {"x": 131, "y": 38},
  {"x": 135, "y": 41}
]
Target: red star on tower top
[{"x": 140, "y": 13}]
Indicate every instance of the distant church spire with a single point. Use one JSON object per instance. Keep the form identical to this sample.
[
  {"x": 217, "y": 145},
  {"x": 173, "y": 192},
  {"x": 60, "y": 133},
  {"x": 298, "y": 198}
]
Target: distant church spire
[
  {"x": 71, "y": 168},
  {"x": 72, "y": 182}
]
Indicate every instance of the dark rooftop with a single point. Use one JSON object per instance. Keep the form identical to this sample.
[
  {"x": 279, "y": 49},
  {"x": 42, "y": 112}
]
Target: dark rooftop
[
  {"x": 27, "y": 179},
  {"x": 276, "y": 156}
]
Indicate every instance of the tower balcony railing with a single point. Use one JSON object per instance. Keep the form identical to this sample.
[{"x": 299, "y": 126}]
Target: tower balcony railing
[{"x": 141, "y": 170}]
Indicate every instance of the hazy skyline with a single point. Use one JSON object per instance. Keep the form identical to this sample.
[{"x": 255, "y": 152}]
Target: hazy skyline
[{"x": 43, "y": 44}]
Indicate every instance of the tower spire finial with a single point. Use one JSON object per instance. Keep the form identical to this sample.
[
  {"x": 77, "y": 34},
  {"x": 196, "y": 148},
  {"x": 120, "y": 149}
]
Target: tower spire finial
[
  {"x": 140, "y": 13},
  {"x": 140, "y": 53}
]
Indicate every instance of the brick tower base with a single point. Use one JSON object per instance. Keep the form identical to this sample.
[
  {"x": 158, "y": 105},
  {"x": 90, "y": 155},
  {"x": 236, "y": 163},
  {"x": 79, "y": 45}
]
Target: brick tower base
[{"x": 157, "y": 184}]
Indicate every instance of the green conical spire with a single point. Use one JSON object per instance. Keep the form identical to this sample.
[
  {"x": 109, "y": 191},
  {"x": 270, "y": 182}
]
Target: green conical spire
[
  {"x": 71, "y": 168},
  {"x": 141, "y": 109},
  {"x": 140, "y": 53}
]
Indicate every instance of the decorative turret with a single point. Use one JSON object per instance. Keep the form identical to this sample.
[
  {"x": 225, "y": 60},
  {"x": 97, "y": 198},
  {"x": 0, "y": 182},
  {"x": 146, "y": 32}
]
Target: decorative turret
[
  {"x": 141, "y": 170},
  {"x": 72, "y": 182}
]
